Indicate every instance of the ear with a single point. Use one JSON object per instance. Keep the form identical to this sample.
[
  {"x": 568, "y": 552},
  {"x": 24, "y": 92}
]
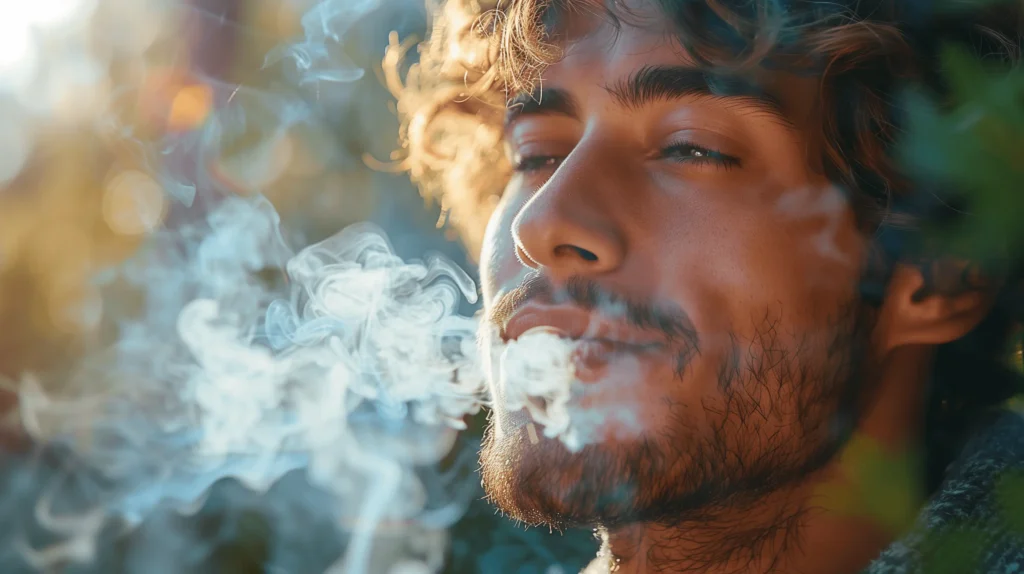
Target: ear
[{"x": 933, "y": 312}]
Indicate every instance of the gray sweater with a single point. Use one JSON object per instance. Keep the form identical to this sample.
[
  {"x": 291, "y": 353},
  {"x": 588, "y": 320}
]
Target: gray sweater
[{"x": 975, "y": 522}]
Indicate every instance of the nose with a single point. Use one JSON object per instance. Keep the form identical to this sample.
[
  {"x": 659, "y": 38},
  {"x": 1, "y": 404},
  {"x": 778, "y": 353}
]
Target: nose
[{"x": 570, "y": 226}]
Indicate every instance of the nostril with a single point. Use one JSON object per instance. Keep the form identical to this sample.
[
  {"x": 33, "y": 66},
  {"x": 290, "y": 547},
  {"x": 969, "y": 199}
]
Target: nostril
[
  {"x": 573, "y": 250},
  {"x": 587, "y": 255}
]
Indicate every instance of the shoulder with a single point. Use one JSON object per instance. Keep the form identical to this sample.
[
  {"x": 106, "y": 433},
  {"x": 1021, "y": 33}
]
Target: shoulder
[{"x": 975, "y": 522}]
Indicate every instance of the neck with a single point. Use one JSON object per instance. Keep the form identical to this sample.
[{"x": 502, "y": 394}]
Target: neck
[{"x": 830, "y": 523}]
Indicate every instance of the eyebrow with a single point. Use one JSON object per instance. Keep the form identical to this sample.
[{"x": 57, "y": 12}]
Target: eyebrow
[
  {"x": 541, "y": 101},
  {"x": 651, "y": 84}
]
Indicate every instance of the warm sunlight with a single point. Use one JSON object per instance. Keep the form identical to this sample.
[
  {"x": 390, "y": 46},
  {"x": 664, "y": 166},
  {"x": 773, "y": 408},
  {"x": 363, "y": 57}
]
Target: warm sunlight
[{"x": 22, "y": 25}]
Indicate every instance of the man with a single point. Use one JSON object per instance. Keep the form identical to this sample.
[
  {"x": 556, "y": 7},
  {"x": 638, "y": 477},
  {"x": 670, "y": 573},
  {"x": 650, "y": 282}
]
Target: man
[{"x": 705, "y": 194}]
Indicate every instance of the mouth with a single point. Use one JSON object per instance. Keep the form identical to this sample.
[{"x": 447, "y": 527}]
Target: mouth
[
  {"x": 606, "y": 360},
  {"x": 593, "y": 333}
]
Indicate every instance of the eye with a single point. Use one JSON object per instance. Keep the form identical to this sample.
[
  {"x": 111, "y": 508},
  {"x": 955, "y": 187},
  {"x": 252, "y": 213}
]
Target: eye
[
  {"x": 530, "y": 163},
  {"x": 689, "y": 153}
]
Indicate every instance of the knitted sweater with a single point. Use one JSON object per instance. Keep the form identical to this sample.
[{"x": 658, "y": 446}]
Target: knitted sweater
[{"x": 975, "y": 522}]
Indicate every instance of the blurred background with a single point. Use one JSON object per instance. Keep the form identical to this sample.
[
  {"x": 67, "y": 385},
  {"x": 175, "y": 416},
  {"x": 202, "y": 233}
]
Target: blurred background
[
  {"x": 106, "y": 137},
  {"x": 98, "y": 95}
]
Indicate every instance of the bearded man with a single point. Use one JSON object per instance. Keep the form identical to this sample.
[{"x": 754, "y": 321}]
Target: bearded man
[{"x": 705, "y": 195}]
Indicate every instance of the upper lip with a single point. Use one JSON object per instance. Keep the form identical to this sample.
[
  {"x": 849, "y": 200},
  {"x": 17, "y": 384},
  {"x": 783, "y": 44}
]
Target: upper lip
[{"x": 575, "y": 323}]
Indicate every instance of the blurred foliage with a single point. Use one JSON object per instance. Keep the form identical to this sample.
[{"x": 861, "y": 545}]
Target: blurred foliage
[
  {"x": 1009, "y": 494},
  {"x": 971, "y": 153},
  {"x": 953, "y": 552},
  {"x": 881, "y": 485},
  {"x": 959, "y": 548},
  {"x": 969, "y": 150}
]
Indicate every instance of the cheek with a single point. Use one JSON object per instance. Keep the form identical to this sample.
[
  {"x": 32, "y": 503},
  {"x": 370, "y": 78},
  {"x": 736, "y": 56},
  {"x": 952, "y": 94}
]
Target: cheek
[
  {"x": 793, "y": 254},
  {"x": 823, "y": 229},
  {"x": 498, "y": 261},
  {"x": 753, "y": 274}
]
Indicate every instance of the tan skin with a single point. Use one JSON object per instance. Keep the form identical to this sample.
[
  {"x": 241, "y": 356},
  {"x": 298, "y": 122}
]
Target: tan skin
[{"x": 715, "y": 204}]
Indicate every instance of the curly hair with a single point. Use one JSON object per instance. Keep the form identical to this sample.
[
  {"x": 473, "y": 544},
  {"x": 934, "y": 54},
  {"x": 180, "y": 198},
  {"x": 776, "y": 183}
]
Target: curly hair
[{"x": 482, "y": 52}]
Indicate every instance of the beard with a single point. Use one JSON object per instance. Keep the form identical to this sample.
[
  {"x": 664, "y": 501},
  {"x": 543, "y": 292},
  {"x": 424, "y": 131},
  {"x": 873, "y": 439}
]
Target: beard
[{"x": 777, "y": 414}]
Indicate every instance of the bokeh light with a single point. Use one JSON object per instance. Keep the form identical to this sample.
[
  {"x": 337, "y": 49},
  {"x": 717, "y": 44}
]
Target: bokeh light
[
  {"x": 15, "y": 139},
  {"x": 23, "y": 29},
  {"x": 133, "y": 203},
  {"x": 190, "y": 107}
]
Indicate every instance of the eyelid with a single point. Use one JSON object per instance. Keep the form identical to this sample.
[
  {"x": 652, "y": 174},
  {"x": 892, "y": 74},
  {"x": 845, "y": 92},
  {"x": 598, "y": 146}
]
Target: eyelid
[
  {"x": 695, "y": 145},
  {"x": 708, "y": 139},
  {"x": 535, "y": 147}
]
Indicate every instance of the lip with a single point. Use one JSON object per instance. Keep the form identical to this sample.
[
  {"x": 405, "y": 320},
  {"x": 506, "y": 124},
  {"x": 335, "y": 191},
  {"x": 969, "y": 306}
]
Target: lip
[{"x": 578, "y": 324}]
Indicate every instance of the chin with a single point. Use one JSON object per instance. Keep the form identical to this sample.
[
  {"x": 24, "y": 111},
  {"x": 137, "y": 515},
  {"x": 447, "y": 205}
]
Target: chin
[
  {"x": 592, "y": 472},
  {"x": 538, "y": 480}
]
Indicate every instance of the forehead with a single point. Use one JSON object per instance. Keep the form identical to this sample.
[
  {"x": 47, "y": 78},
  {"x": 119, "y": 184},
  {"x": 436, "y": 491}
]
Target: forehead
[
  {"x": 603, "y": 45},
  {"x": 632, "y": 26},
  {"x": 579, "y": 17}
]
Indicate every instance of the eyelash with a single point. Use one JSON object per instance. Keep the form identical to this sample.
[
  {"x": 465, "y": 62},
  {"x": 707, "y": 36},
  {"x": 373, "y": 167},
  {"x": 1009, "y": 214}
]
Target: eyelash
[
  {"x": 526, "y": 164},
  {"x": 709, "y": 156}
]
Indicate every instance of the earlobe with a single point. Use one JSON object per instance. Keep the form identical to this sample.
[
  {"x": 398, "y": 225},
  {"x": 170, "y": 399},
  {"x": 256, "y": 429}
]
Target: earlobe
[{"x": 918, "y": 312}]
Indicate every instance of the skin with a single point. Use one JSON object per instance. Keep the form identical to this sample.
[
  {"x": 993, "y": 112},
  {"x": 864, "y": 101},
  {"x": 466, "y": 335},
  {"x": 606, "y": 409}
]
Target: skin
[{"x": 713, "y": 210}]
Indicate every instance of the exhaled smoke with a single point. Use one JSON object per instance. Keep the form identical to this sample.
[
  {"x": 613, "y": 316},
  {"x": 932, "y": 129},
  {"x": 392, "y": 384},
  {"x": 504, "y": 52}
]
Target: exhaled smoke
[
  {"x": 345, "y": 361},
  {"x": 356, "y": 367},
  {"x": 324, "y": 25},
  {"x": 342, "y": 360},
  {"x": 536, "y": 374}
]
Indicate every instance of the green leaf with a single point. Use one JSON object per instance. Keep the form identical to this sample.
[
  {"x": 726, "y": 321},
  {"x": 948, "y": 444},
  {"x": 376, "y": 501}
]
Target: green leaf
[
  {"x": 953, "y": 552},
  {"x": 973, "y": 149},
  {"x": 1009, "y": 494},
  {"x": 881, "y": 485}
]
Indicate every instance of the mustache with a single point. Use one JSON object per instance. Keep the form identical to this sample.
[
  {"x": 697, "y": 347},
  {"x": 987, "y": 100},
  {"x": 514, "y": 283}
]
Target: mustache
[{"x": 670, "y": 320}]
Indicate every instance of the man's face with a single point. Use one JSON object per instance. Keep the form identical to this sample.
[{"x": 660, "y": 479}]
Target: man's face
[{"x": 679, "y": 225}]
